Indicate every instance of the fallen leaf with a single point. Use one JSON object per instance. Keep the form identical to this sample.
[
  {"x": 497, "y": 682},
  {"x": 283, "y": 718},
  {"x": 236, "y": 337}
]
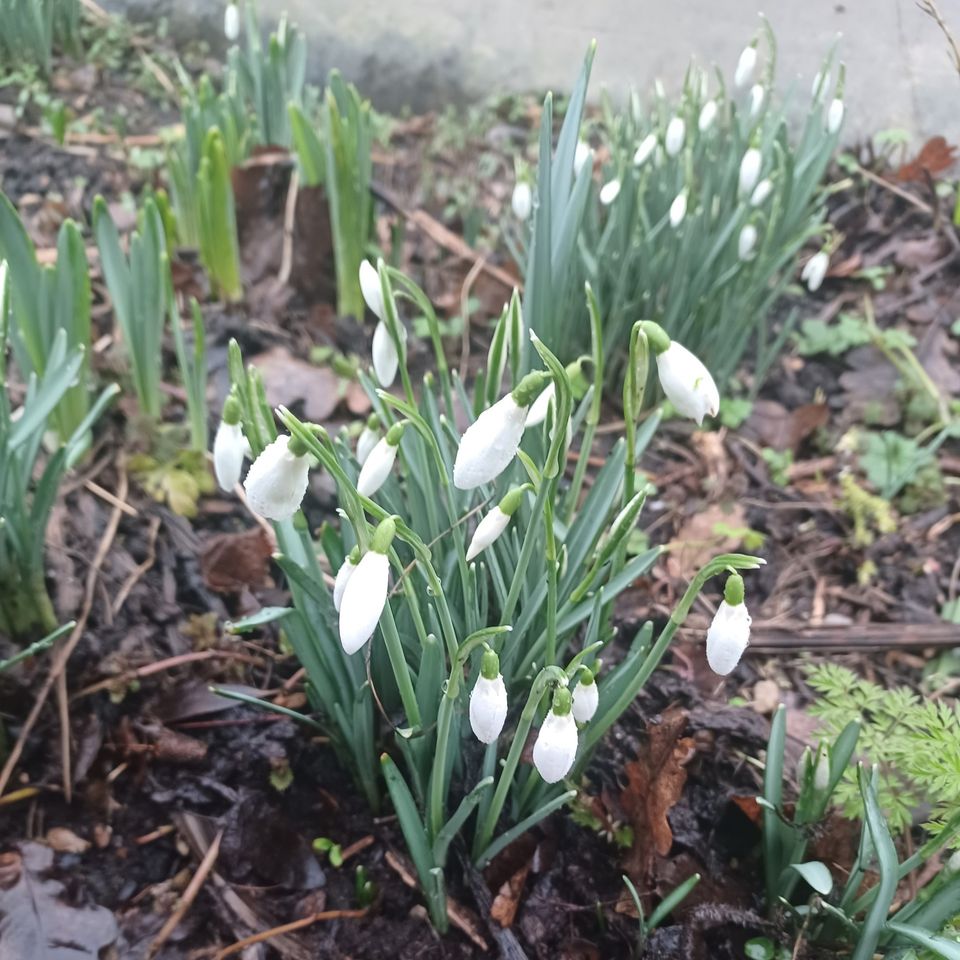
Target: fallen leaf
[
  {"x": 936, "y": 156},
  {"x": 920, "y": 252},
  {"x": 36, "y": 922},
  {"x": 847, "y": 267},
  {"x": 66, "y": 841},
  {"x": 505, "y": 903},
  {"x": 231, "y": 562},
  {"x": 749, "y": 807},
  {"x": 774, "y": 426},
  {"x": 702, "y": 537},
  {"x": 655, "y": 782},
  {"x": 288, "y": 380}
]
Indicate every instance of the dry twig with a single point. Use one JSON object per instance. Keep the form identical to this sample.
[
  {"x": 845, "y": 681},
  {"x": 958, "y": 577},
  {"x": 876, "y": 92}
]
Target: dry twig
[{"x": 289, "y": 928}]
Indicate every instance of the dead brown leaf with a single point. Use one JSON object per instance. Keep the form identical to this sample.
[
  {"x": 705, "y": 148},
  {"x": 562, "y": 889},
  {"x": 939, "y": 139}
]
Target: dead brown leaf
[
  {"x": 507, "y": 901},
  {"x": 289, "y": 380},
  {"x": 231, "y": 562},
  {"x": 66, "y": 841},
  {"x": 773, "y": 425},
  {"x": 702, "y": 536},
  {"x": 655, "y": 781},
  {"x": 936, "y": 156},
  {"x": 920, "y": 252}
]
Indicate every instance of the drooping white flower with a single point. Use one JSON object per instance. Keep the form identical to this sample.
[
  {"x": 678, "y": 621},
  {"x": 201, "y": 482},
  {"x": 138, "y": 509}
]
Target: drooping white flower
[
  {"x": 231, "y": 22},
  {"x": 229, "y": 449},
  {"x": 365, "y": 594},
  {"x": 343, "y": 578},
  {"x": 522, "y": 200},
  {"x": 538, "y": 409},
  {"x": 555, "y": 748},
  {"x": 609, "y": 192},
  {"x": 834, "y": 115},
  {"x": 488, "y": 530},
  {"x": 488, "y": 700},
  {"x": 376, "y": 468},
  {"x": 678, "y": 209},
  {"x": 386, "y": 361},
  {"x": 367, "y": 440},
  {"x": 757, "y": 96},
  {"x": 707, "y": 115},
  {"x": 370, "y": 288},
  {"x": 747, "y": 241},
  {"x": 676, "y": 133},
  {"x": 490, "y": 443},
  {"x": 277, "y": 480},
  {"x": 760, "y": 192},
  {"x": 581, "y": 155},
  {"x": 646, "y": 148},
  {"x": 687, "y": 383},
  {"x": 586, "y": 699},
  {"x": 750, "y": 171},
  {"x": 821, "y": 772},
  {"x": 745, "y": 67},
  {"x": 815, "y": 269},
  {"x": 728, "y": 637}
]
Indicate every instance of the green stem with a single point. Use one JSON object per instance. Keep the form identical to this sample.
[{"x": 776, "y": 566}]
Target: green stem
[
  {"x": 401, "y": 671},
  {"x": 551, "y": 553},
  {"x": 526, "y": 552}
]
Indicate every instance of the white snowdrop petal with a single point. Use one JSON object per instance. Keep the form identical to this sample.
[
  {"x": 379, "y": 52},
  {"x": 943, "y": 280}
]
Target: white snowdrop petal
[
  {"x": 586, "y": 699},
  {"x": 340, "y": 583},
  {"x": 231, "y": 22},
  {"x": 707, "y": 115},
  {"x": 750, "y": 170},
  {"x": 727, "y": 637},
  {"x": 538, "y": 409},
  {"x": 757, "y": 96},
  {"x": 609, "y": 192},
  {"x": 678, "y": 210},
  {"x": 370, "y": 288},
  {"x": 747, "y": 241},
  {"x": 489, "y": 444},
  {"x": 745, "y": 67},
  {"x": 760, "y": 193},
  {"x": 365, "y": 443},
  {"x": 556, "y": 746},
  {"x": 676, "y": 132},
  {"x": 384, "y": 354},
  {"x": 646, "y": 148},
  {"x": 488, "y": 530},
  {"x": 522, "y": 201},
  {"x": 687, "y": 383},
  {"x": 363, "y": 600},
  {"x": 376, "y": 468},
  {"x": 815, "y": 269},
  {"x": 581, "y": 155},
  {"x": 229, "y": 448},
  {"x": 488, "y": 708},
  {"x": 834, "y": 115},
  {"x": 277, "y": 481}
]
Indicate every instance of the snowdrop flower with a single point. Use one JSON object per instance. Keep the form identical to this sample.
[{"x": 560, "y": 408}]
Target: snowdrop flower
[
  {"x": 488, "y": 700},
  {"x": 676, "y": 132},
  {"x": 556, "y": 744},
  {"x": 229, "y": 446},
  {"x": 750, "y": 171},
  {"x": 745, "y": 66},
  {"x": 834, "y": 115},
  {"x": 581, "y": 155},
  {"x": 386, "y": 360},
  {"x": 646, "y": 148},
  {"x": 538, "y": 409},
  {"x": 729, "y": 633},
  {"x": 368, "y": 438},
  {"x": 231, "y": 22},
  {"x": 343, "y": 576},
  {"x": 377, "y": 466},
  {"x": 609, "y": 192},
  {"x": 685, "y": 380},
  {"x": 365, "y": 594},
  {"x": 370, "y": 288},
  {"x": 747, "y": 242},
  {"x": 757, "y": 95},
  {"x": 495, "y": 522},
  {"x": 678, "y": 209},
  {"x": 522, "y": 200},
  {"x": 760, "y": 192},
  {"x": 821, "y": 772},
  {"x": 707, "y": 115},
  {"x": 490, "y": 443},
  {"x": 586, "y": 697},
  {"x": 815, "y": 269},
  {"x": 277, "y": 481},
  {"x": 953, "y": 864}
]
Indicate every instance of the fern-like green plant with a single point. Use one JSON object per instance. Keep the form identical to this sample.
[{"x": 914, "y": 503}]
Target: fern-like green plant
[{"x": 915, "y": 742}]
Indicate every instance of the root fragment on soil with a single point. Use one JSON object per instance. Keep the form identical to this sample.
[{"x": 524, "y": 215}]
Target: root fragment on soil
[{"x": 289, "y": 928}]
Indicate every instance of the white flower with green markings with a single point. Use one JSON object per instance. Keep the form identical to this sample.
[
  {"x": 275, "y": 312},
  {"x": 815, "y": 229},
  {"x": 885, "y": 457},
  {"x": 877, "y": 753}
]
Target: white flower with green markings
[
  {"x": 729, "y": 634},
  {"x": 229, "y": 446},
  {"x": 488, "y": 700},
  {"x": 586, "y": 697},
  {"x": 746, "y": 64},
  {"x": 365, "y": 593},
  {"x": 685, "y": 380},
  {"x": 343, "y": 576},
  {"x": 555, "y": 748},
  {"x": 490, "y": 528},
  {"x": 376, "y": 468},
  {"x": 276, "y": 483}
]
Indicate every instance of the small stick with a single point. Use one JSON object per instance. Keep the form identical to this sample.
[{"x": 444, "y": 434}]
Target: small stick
[
  {"x": 140, "y": 569},
  {"x": 347, "y": 852},
  {"x": 189, "y": 895},
  {"x": 104, "y": 494},
  {"x": 289, "y": 928}
]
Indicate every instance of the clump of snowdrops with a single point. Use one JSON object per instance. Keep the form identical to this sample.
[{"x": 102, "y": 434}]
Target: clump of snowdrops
[
  {"x": 472, "y": 579},
  {"x": 696, "y": 218}
]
